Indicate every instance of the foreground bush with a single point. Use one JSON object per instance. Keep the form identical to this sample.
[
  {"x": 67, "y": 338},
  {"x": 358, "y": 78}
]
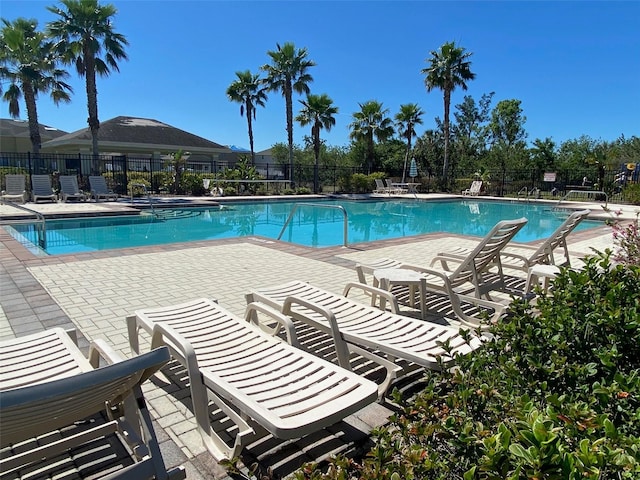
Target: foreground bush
[{"x": 554, "y": 395}]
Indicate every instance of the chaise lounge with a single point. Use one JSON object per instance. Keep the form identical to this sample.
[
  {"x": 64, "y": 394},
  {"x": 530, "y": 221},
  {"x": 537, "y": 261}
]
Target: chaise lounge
[
  {"x": 14, "y": 188},
  {"x": 41, "y": 188},
  {"x": 69, "y": 189},
  {"x": 63, "y": 417},
  {"x": 368, "y": 331},
  {"x": 470, "y": 282},
  {"x": 522, "y": 257},
  {"x": 99, "y": 189},
  {"x": 238, "y": 366},
  {"x": 474, "y": 189}
]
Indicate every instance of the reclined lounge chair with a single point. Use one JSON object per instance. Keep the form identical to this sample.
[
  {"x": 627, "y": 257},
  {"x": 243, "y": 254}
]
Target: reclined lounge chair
[
  {"x": 63, "y": 417},
  {"x": 522, "y": 257},
  {"x": 41, "y": 188},
  {"x": 99, "y": 189},
  {"x": 69, "y": 189},
  {"x": 235, "y": 363},
  {"x": 14, "y": 188},
  {"x": 474, "y": 189},
  {"x": 366, "y": 328},
  {"x": 471, "y": 274}
]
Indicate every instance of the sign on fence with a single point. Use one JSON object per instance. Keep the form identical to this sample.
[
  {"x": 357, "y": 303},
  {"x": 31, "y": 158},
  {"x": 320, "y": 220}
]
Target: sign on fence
[{"x": 549, "y": 176}]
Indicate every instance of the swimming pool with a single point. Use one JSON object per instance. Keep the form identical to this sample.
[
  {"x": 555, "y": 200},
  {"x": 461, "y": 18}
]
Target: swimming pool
[{"x": 311, "y": 226}]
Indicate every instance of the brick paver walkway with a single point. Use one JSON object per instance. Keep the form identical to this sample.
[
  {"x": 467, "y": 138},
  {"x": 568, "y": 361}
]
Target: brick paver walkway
[{"x": 94, "y": 293}]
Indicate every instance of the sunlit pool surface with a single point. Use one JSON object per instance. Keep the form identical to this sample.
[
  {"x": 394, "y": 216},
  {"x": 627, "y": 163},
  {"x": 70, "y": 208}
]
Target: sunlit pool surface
[{"x": 310, "y": 226}]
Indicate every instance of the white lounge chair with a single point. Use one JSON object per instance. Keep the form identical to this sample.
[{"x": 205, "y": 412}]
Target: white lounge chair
[
  {"x": 99, "y": 189},
  {"x": 380, "y": 187},
  {"x": 522, "y": 257},
  {"x": 234, "y": 363},
  {"x": 365, "y": 328},
  {"x": 41, "y": 188},
  {"x": 471, "y": 275},
  {"x": 69, "y": 189},
  {"x": 51, "y": 398},
  {"x": 395, "y": 188},
  {"x": 14, "y": 188},
  {"x": 474, "y": 189}
]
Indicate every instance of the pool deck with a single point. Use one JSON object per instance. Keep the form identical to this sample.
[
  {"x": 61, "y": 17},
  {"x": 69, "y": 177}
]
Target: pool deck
[{"x": 94, "y": 292}]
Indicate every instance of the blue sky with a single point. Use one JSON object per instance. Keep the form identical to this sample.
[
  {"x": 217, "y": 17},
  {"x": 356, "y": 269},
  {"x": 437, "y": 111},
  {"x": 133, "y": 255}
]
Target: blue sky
[{"x": 575, "y": 66}]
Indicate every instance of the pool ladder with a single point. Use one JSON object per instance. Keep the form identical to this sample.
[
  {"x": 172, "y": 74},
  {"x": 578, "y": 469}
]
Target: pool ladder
[
  {"x": 147, "y": 194},
  {"x": 588, "y": 194},
  {"x": 40, "y": 226},
  {"x": 319, "y": 205},
  {"x": 527, "y": 194}
]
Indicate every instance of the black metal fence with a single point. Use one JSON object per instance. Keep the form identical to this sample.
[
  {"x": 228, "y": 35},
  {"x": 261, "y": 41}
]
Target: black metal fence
[{"x": 123, "y": 170}]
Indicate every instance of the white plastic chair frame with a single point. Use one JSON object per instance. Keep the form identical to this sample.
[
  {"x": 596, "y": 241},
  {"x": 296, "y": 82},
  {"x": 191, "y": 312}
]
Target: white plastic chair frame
[
  {"x": 47, "y": 384},
  {"x": 232, "y": 362}
]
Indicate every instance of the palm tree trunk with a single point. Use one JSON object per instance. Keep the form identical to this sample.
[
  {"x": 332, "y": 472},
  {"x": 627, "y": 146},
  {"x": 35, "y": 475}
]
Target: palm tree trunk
[
  {"x": 370, "y": 152},
  {"x": 92, "y": 106},
  {"x": 250, "y": 127},
  {"x": 315, "y": 132},
  {"x": 32, "y": 115},
  {"x": 445, "y": 166},
  {"x": 289, "y": 106},
  {"x": 406, "y": 155}
]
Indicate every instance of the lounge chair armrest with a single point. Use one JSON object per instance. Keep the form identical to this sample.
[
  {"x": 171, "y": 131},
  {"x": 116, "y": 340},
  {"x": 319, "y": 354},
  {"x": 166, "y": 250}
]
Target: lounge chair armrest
[
  {"x": 178, "y": 345},
  {"x": 499, "y": 310},
  {"x": 444, "y": 257},
  {"x": 429, "y": 271},
  {"x": 341, "y": 347},
  {"x": 281, "y": 321},
  {"x": 99, "y": 349},
  {"x": 514, "y": 256},
  {"x": 388, "y": 296}
]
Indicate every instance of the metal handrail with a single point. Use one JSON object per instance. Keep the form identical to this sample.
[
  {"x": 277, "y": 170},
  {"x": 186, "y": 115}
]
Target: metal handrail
[
  {"x": 146, "y": 192},
  {"x": 42, "y": 231},
  {"x": 587, "y": 193},
  {"x": 320, "y": 205}
]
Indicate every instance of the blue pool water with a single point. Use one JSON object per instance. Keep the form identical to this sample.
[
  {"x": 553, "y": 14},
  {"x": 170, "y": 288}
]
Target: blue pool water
[{"x": 311, "y": 226}]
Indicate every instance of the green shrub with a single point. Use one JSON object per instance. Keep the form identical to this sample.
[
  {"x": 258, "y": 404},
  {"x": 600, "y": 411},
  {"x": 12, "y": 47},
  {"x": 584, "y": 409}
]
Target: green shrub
[
  {"x": 303, "y": 191},
  {"x": 134, "y": 180},
  {"x": 192, "y": 184},
  {"x": 555, "y": 394},
  {"x": 632, "y": 193}
]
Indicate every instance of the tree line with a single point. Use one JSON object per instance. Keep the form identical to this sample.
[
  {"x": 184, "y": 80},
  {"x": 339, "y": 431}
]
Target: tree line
[{"x": 480, "y": 138}]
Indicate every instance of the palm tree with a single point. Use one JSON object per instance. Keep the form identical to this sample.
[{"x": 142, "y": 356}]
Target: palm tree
[
  {"x": 84, "y": 32},
  {"x": 29, "y": 64},
  {"x": 448, "y": 68},
  {"x": 249, "y": 91},
  {"x": 319, "y": 112},
  {"x": 407, "y": 118},
  {"x": 287, "y": 73},
  {"x": 368, "y": 124}
]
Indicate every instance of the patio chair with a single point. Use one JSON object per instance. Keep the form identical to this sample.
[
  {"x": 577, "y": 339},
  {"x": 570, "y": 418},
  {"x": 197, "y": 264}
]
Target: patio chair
[
  {"x": 238, "y": 366},
  {"x": 472, "y": 274},
  {"x": 368, "y": 331},
  {"x": 395, "y": 188},
  {"x": 523, "y": 257},
  {"x": 474, "y": 189},
  {"x": 380, "y": 187},
  {"x": 41, "y": 188},
  {"x": 69, "y": 189},
  {"x": 99, "y": 189},
  {"x": 14, "y": 188},
  {"x": 62, "y": 416}
]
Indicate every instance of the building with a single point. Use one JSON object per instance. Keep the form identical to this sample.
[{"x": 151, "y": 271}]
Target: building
[{"x": 14, "y": 135}]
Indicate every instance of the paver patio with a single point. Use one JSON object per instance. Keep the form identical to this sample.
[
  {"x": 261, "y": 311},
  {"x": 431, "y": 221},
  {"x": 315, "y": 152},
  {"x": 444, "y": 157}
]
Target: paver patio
[{"x": 94, "y": 292}]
